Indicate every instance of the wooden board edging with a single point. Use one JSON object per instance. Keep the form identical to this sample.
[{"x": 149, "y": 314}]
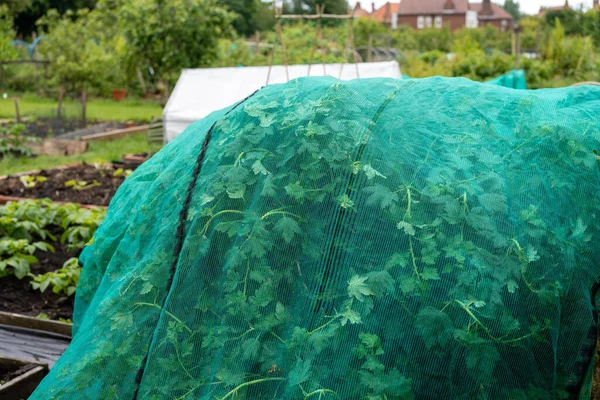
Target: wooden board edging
[
  {"x": 24, "y": 321},
  {"x": 116, "y": 133}
]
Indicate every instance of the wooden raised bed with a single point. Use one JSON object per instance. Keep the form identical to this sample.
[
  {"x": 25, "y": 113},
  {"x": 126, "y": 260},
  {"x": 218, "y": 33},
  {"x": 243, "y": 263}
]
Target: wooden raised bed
[
  {"x": 23, "y": 321},
  {"x": 25, "y": 377}
]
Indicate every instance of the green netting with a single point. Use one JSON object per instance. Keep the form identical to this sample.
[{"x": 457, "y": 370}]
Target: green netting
[
  {"x": 514, "y": 79},
  {"x": 372, "y": 239}
]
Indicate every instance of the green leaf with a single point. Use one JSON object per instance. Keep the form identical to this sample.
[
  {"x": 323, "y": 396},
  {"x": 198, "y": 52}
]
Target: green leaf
[
  {"x": 493, "y": 202},
  {"x": 430, "y": 274},
  {"x": 381, "y": 283},
  {"x": 381, "y": 196},
  {"x": 300, "y": 373},
  {"x": 251, "y": 349},
  {"x": 408, "y": 285},
  {"x": 512, "y": 286},
  {"x": 406, "y": 227},
  {"x": 398, "y": 260},
  {"x": 121, "y": 321},
  {"x": 371, "y": 342},
  {"x": 280, "y": 312},
  {"x": 372, "y": 172},
  {"x": 350, "y": 316},
  {"x": 373, "y": 364},
  {"x": 268, "y": 187},
  {"x": 358, "y": 289},
  {"x": 263, "y": 296},
  {"x": 532, "y": 254},
  {"x": 296, "y": 191},
  {"x": 287, "y": 228},
  {"x": 231, "y": 228},
  {"x": 258, "y": 168},
  {"x": 434, "y": 326},
  {"x": 481, "y": 361}
]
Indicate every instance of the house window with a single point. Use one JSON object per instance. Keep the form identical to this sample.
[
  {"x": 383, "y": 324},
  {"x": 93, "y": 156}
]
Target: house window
[
  {"x": 428, "y": 21},
  {"x": 472, "y": 20},
  {"x": 438, "y": 22},
  {"x": 394, "y": 21},
  {"x": 504, "y": 25},
  {"x": 420, "y": 22}
]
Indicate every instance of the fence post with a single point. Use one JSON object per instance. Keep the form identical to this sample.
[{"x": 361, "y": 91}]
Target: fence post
[
  {"x": 517, "y": 30},
  {"x": 83, "y": 105},
  {"x": 370, "y": 49},
  {"x": 61, "y": 94},
  {"x": 16, "y": 99}
]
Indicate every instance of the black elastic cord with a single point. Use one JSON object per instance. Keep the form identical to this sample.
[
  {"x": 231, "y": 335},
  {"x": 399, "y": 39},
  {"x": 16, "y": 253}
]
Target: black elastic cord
[{"x": 180, "y": 238}]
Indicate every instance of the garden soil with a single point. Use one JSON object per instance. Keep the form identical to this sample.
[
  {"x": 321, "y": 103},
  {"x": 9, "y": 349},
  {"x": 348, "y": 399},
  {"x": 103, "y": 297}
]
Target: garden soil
[
  {"x": 56, "y": 189},
  {"x": 17, "y": 296}
]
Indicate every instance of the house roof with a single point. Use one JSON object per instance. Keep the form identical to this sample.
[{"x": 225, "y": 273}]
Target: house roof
[
  {"x": 415, "y": 7},
  {"x": 359, "y": 11},
  {"x": 384, "y": 13},
  {"x": 499, "y": 12}
]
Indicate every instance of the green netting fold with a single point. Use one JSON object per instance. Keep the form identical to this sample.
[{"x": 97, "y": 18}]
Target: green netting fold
[
  {"x": 514, "y": 79},
  {"x": 371, "y": 239}
]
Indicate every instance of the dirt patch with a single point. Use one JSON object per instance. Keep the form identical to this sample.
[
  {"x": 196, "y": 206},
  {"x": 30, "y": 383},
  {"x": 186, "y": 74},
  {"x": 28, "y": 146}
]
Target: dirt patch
[
  {"x": 10, "y": 373},
  {"x": 17, "y": 296},
  {"x": 84, "y": 184}
]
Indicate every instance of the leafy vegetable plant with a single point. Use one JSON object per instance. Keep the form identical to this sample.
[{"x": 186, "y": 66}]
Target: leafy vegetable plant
[
  {"x": 63, "y": 280},
  {"x": 370, "y": 240}
]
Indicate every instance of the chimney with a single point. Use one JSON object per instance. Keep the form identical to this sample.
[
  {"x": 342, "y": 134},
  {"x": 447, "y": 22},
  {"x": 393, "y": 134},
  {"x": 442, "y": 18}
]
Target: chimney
[
  {"x": 372, "y": 7},
  {"x": 486, "y": 8},
  {"x": 449, "y": 5},
  {"x": 357, "y": 6}
]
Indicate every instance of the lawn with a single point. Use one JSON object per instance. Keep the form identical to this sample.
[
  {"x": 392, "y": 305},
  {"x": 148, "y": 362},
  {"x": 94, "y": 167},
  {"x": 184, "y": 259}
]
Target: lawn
[
  {"x": 100, "y": 151},
  {"x": 101, "y": 110}
]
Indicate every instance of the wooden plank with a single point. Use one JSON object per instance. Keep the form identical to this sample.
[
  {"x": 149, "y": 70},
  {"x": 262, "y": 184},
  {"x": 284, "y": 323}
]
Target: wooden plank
[
  {"x": 25, "y": 321},
  {"x": 24, "y": 385},
  {"x": 116, "y": 133},
  {"x": 31, "y": 346}
]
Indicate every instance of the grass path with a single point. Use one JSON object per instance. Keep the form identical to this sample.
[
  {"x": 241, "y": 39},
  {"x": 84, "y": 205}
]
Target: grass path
[{"x": 101, "y": 110}]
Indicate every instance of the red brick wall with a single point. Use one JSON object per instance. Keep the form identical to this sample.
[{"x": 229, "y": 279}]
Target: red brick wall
[{"x": 455, "y": 21}]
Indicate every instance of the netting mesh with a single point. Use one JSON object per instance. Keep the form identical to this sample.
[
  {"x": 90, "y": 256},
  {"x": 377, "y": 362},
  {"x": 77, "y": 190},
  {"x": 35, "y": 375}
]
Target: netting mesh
[{"x": 373, "y": 239}]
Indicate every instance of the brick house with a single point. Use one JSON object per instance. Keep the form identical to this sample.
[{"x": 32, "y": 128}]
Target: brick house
[
  {"x": 386, "y": 14},
  {"x": 360, "y": 12},
  {"x": 456, "y": 14}
]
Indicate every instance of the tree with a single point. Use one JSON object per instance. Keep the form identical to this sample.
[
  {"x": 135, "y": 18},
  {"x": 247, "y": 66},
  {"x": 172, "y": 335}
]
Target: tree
[
  {"x": 7, "y": 34},
  {"x": 310, "y": 6},
  {"x": 76, "y": 48},
  {"x": 170, "y": 36},
  {"x": 246, "y": 11},
  {"x": 569, "y": 19},
  {"x": 513, "y": 8},
  {"x": 28, "y": 12}
]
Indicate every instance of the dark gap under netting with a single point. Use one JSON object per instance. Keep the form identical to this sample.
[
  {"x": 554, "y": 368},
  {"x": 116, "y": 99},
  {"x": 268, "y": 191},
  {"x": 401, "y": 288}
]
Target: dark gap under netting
[{"x": 373, "y": 239}]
